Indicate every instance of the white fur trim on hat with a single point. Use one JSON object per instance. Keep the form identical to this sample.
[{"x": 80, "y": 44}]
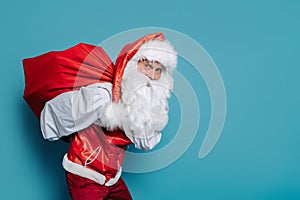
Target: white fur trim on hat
[{"x": 161, "y": 51}]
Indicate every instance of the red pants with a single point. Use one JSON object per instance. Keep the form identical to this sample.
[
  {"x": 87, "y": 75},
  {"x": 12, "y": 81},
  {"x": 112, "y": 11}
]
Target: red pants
[{"x": 85, "y": 189}]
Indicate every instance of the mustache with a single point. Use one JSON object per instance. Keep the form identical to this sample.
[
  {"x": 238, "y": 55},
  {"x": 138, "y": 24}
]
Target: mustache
[{"x": 134, "y": 81}]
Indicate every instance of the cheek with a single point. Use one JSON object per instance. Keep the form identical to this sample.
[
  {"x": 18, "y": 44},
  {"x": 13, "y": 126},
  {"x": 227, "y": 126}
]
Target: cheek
[
  {"x": 142, "y": 71},
  {"x": 157, "y": 76},
  {"x": 140, "y": 68}
]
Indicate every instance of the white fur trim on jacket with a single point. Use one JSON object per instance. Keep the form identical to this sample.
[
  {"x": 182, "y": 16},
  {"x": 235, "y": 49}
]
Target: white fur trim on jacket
[{"x": 88, "y": 173}]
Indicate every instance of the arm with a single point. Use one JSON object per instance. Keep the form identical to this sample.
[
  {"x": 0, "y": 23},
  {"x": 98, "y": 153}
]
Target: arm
[{"x": 73, "y": 111}]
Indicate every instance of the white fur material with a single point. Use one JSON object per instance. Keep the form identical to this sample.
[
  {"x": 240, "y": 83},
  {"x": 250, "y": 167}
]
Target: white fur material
[
  {"x": 161, "y": 51},
  {"x": 112, "y": 116},
  {"x": 146, "y": 106},
  {"x": 88, "y": 173},
  {"x": 143, "y": 110}
]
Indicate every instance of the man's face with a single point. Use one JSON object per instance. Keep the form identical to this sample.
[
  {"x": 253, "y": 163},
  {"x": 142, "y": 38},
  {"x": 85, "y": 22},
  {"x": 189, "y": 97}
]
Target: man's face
[{"x": 151, "y": 69}]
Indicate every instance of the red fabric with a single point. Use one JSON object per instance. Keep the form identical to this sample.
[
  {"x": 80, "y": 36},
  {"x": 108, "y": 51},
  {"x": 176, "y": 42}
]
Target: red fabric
[
  {"x": 53, "y": 73},
  {"x": 108, "y": 158},
  {"x": 85, "y": 189},
  {"x": 113, "y": 143}
]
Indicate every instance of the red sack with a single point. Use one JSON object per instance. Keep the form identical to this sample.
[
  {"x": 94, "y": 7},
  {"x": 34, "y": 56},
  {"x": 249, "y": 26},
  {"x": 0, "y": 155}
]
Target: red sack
[{"x": 53, "y": 73}]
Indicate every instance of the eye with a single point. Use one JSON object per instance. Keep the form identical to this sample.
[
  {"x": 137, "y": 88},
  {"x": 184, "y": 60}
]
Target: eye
[
  {"x": 148, "y": 67},
  {"x": 158, "y": 70}
]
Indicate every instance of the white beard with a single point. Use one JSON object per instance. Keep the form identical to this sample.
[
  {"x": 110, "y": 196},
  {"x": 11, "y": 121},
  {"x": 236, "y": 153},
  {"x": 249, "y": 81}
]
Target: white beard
[
  {"x": 143, "y": 110},
  {"x": 146, "y": 102}
]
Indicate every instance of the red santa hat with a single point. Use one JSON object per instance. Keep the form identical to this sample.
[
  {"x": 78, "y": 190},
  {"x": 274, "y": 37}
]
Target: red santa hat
[{"x": 154, "y": 47}]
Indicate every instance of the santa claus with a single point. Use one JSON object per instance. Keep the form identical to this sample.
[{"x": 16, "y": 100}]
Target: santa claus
[{"x": 103, "y": 118}]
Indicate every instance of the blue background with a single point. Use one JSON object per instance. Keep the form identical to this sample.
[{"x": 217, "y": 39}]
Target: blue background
[{"x": 255, "y": 45}]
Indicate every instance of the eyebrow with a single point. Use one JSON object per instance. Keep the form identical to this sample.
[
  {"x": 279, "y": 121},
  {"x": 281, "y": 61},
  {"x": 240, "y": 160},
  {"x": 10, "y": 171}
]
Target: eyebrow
[{"x": 161, "y": 66}]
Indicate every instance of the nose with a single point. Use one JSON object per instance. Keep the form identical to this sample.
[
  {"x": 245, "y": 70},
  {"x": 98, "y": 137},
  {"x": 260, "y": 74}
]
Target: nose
[{"x": 151, "y": 75}]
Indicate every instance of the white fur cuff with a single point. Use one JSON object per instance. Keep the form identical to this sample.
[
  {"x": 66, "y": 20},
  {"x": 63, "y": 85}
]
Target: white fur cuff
[{"x": 112, "y": 116}]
